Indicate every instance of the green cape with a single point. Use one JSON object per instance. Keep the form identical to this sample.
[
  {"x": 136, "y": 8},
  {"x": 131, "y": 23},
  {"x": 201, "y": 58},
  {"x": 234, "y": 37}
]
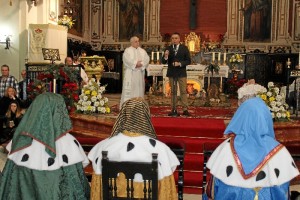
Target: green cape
[{"x": 46, "y": 120}]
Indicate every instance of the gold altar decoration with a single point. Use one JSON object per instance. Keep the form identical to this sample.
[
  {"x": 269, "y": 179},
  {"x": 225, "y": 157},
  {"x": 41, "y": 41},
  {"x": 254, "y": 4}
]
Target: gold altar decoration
[
  {"x": 94, "y": 66},
  {"x": 192, "y": 41}
]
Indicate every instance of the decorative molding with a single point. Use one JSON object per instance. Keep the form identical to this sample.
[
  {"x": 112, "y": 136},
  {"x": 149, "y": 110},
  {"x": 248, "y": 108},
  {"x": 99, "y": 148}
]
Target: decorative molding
[{"x": 280, "y": 35}]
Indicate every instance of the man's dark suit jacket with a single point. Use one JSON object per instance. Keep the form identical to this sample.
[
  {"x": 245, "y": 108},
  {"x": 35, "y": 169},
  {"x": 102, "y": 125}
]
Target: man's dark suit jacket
[
  {"x": 21, "y": 89},
  {"x": 182, "y": 56}
]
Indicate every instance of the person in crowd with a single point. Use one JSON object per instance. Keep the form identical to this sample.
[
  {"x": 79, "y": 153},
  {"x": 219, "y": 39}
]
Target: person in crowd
[
  {"x": 133, "y": 128},
  {"x": 7, "y": 80},
  {"x": 23, "y": 86},
  {"x": 83, "y": 75},
  {"x": 9, "y": 96},
  {"x": 68, "y": 61},
  {"x": 12, "y": 119},
  {"x": 177, "y": 56},
  {"x": 44, "y": 160},
  {"x": 250, "y": 163},
  {"x": 135, "y": 61}
]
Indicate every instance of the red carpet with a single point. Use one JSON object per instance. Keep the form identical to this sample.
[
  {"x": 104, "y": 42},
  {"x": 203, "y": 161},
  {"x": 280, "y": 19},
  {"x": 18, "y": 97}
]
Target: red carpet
[
  {"x": 193, "y": 132},
  {"x": 188, "y": 127}
]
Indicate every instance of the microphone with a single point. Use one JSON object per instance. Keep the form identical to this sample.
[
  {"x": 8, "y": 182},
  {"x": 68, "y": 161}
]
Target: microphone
[{"x": 175, "y": 48}]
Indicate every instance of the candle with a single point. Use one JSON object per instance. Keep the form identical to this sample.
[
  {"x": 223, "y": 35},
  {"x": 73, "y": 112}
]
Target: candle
[
  {"x": 224, "y": 56},
  {"x": 157, "y": 55},
  {"x": 219, "y": 56},
  {"x": 54, "y": 85},
  {"x": 213, "y": 56},
  {"x": 152, "y": 55}
]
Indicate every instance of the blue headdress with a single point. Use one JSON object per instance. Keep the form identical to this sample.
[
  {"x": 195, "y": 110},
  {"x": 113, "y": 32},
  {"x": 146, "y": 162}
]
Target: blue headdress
[{"x": 254, "y": 138}]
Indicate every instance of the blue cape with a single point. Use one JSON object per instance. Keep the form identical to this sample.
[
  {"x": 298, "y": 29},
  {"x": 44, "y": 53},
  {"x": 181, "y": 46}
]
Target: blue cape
[{"x": 253, "y": 126}]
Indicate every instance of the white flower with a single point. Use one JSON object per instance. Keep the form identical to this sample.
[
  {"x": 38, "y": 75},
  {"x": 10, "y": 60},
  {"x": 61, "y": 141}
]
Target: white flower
[
  {"x": 273, "y": 115},
  {"x": 278, "y": 98},
  {"x": 93, "y": 99},
  {"x": 270, "y": 84},
  {"x": 283, "y": 115},
  {"x": 96, "y": 103},
  {"x": 269, "y": 94},
  {"x": 276, "y": 90},
  {"x": 105, "y": 99},
  {"x": 278, "y": 115},
  {"x": 101, "y": 103},
  {"x": 85, "y": 98}
]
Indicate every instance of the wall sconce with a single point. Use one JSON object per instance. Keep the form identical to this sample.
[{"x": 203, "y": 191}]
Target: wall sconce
[
  {"x": 6, "y": 41},
  {"x": 34, "y": 2},
  {"x": 70, "y": 7}
]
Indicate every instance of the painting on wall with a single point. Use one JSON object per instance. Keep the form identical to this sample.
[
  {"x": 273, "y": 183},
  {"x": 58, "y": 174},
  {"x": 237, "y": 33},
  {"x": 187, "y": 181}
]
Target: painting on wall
[
  {"x": 257, "y": 20},
  {"x": 131, "y": 19}
]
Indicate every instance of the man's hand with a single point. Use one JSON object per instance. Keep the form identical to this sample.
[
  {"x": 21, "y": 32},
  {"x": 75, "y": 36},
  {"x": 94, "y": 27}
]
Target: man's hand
[
  {"x": 166, "y": 54},
  {"x": 176, "y": 64},
  {"x": 138, "y": 64}
]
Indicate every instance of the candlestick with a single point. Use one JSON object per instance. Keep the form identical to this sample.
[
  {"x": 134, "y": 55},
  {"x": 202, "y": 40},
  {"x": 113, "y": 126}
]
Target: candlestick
[
  {"x": 152, "y": 55},
  {"x": 213, "y": 56},
  {"x": 219, "y": 56},
  {"x": 54, "y": 85}
]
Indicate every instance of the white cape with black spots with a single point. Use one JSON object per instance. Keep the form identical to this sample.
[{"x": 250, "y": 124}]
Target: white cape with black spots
[
  {"x": 140, "y": 151},
  {"x": 68, "y": 152},
  {"x": 278, "y": 170}
]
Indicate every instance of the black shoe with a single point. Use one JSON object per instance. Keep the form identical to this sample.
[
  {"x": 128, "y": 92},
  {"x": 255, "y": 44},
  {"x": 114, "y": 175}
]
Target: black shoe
[
  {"x": 173, "y": 113},
  {"x": 186, "y": 113}
]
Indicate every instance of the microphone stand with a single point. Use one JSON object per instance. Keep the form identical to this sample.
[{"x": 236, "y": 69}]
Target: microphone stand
[{"x": 174, "y": 96}]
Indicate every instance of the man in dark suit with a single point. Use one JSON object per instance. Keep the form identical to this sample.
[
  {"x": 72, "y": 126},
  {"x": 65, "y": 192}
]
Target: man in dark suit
[
  {"x": 178, "y": 57},
  {"x": 22, "y": 86}
]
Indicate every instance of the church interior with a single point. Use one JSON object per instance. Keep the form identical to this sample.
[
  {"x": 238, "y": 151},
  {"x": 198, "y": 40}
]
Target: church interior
[{"x": 230, "y": 42}]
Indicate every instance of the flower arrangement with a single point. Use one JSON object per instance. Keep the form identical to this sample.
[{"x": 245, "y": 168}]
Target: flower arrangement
[
  {"x": 209, "y": 46},
  {"x": 35, "y": 88},
  {"x": 66, "y": 81},
  {"x": 276, "y": 103},
  {"x": 91, "y": 99},
  {"x": 212, "y": 68},
  {"x": 67, "y": 21},
  {"x": 235, "y": 60}
]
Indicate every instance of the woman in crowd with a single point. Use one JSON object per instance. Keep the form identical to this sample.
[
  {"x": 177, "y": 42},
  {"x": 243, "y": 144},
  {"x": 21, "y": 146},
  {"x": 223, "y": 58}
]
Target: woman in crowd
[
  {"x": 250, "y": 163},
  {"x": 44, "y": 160},
  {"x": 9, "y": 96},
  {"x": 12, "y": 119},
  {"x": 134, "y": 139}
]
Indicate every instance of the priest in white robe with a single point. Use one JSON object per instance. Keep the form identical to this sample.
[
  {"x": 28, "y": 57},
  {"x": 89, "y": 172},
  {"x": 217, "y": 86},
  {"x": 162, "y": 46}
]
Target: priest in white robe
[{"x": 135, "y": 61}]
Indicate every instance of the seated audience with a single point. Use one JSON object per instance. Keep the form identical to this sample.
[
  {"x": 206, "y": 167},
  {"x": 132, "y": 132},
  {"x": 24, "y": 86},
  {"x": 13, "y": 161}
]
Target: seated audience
[
  {"x": 250, "y": 163},
  {"x": 10, "y": 95},
  {"x": 44, "y": 160},
  {"x": 12, "y": 119},
  {"x": 134, "y": 139}
]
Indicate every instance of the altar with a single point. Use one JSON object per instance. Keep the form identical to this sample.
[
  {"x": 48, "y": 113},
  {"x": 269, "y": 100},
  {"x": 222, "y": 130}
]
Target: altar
[{"x": 195, "y": 76}]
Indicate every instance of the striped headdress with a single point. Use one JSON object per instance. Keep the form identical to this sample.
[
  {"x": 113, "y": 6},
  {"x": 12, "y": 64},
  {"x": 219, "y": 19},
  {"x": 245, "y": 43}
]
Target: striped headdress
[{"x": 134, "y": 117}]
